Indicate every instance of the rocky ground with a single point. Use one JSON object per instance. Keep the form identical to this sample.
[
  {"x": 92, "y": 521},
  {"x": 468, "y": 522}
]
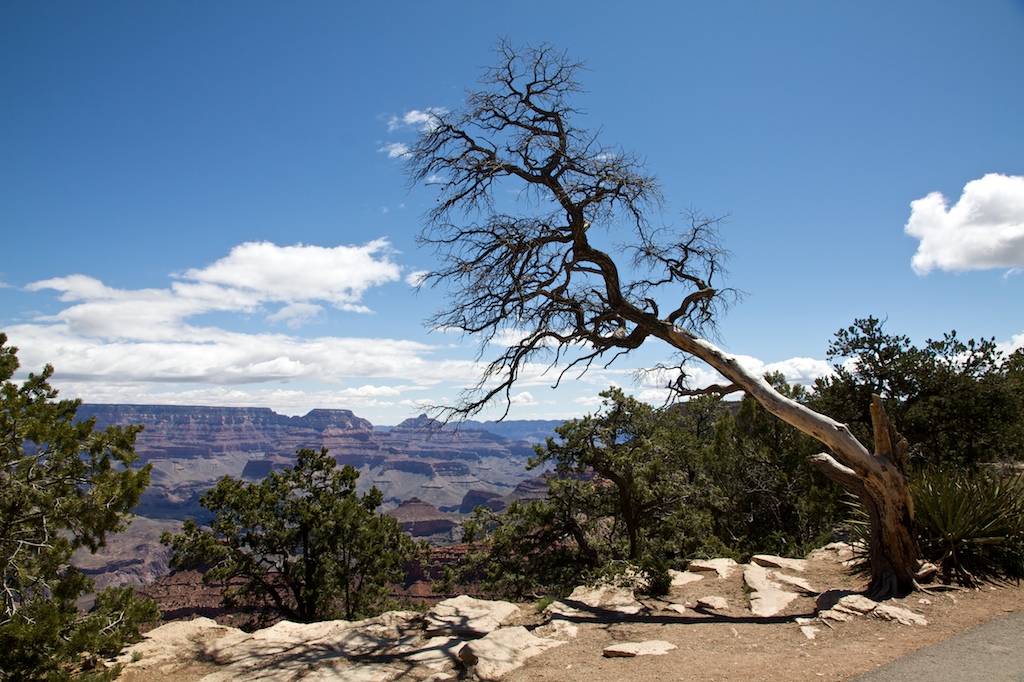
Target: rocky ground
[{"x": 777, "y": 621}]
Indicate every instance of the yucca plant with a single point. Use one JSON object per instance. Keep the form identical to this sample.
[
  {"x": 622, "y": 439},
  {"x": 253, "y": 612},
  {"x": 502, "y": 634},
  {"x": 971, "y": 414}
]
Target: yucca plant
[{"x": 970, "y": 525}]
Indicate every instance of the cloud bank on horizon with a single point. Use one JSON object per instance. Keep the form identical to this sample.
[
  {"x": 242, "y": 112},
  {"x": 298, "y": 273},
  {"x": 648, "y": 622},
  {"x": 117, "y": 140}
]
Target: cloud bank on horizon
[
  {"x": 153, "y": 345},
  {"x": 982, "y": 231}
]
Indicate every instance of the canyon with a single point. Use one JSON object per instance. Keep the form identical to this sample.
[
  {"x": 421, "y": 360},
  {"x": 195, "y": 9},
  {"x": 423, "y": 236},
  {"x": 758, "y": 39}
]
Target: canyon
[{"x": 430, "y": 476}]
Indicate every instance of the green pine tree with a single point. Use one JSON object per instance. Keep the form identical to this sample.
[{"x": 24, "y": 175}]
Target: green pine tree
[
  {"x": 63, "y": 485},
  {"x": 302, "y": 542}
]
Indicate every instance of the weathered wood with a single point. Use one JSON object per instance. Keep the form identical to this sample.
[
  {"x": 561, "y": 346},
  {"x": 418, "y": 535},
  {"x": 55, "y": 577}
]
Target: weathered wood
[
  {"x": 878, "y": 480},
  {"x": 893, "y": 549}
]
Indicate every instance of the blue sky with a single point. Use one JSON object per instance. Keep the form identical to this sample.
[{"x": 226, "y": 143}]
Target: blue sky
[{"x": 199, "y": 201}]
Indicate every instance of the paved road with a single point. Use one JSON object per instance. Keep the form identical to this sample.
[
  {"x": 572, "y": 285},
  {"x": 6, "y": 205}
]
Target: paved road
[{"x": 993, "y": 652}]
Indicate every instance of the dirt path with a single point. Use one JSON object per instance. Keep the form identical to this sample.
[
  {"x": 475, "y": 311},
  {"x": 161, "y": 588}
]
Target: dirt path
[{"x": 731, "y": 645}]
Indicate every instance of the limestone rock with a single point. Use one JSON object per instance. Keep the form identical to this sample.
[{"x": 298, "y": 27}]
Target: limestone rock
[
  {"x": 832, "y": 614},
  {"x": 898, "y": 614},
  {"x": 806, "y": 627},
  {"x": 653, "y": 647},
  {"x": 597, "y": 602},
  {"x": 857, "y": 603},
  {"x": 767, "y": 597},
  {"x": 810, "y": 632},
  {"x": 767, "y": 603},
  {"x": 724, "y": 567},
  {"x": 839, "y": 552},
  {"x": 853, "y": 605},
  {"x": 437, "y": 653},
  {"x": 464, "y": 615},
  {"x": 757, "y": 577},
  {"x": 772, "y": 561},
  {"x": 165, "y": 647},
  {"x": 344, "y": 639},
  {"x": 680, "y": 578},
  {"x": 557, "y": 628},
  {"x": 498, "y": 653},
  {"x": 794, "y": 581},
  {"x": 713, "y": 603}
]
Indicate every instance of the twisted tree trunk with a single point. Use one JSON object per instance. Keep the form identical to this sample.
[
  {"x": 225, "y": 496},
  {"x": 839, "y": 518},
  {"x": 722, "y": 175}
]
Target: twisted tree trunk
[
  {"x": 892, "y": 551},
  {"x": 877, "y": 479}
]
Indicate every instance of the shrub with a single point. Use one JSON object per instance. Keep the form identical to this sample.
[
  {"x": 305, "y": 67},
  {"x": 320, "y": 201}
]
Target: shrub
[{"x": 971, "y": 525}]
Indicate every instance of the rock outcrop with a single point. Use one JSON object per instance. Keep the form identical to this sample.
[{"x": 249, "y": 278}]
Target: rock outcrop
[
  {"x": 502, "y": 651},
  {"x": 465, "y": 616},
  {"x": 460, "y": 633},
  {"x": 476, "y": 639}
]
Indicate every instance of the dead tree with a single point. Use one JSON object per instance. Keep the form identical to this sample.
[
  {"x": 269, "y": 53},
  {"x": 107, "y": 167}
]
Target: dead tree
[{"x": 547, "y": 273}]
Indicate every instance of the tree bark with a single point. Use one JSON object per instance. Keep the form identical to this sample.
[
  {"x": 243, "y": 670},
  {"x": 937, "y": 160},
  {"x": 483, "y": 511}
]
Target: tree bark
[{"x": 878, "y": 479}]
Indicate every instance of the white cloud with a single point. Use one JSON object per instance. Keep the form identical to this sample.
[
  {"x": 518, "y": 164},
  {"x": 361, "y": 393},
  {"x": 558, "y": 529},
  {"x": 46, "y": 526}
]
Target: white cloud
[
  {"x": 282, "y": 400},
  {"x": 589, "y": 401},
  {"x": 208, "y": 354},
  {"x": 983, "y": 230},
  {"x": 1015, "y": 343},
  {"x": 524, "y": 398},
  {"x": 394, "y": 150},
  {"x": 416, "y": 278},
  {"x": 421, "y": 119},
  {"x": 252, "y": 275},
  {"x": 339, "y": 275},
  {"x": 422, "y": 406},
  {"x": 802, "y": 371},
  {"x": 108, "y": 337},
  {"x": 296, "y": 314}
]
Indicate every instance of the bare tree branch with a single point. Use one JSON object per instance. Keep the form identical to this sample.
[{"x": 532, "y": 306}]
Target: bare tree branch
[
  {"x": 545, "y": 278},
  {"x": 540, "y": 277}
]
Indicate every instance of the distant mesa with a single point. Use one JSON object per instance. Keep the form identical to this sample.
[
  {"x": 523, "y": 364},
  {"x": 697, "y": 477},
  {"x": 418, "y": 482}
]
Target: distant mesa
[
  {"x": 421, "y": 423},
  {"x": 535, "y": 488},
  {"x": 419, "y": 518},
  {"x": 257, "y": 469},
  {"x": 177, "y": 431},
  {"x": 191, "y": 447},
  {"x": 482, "y": 498}
]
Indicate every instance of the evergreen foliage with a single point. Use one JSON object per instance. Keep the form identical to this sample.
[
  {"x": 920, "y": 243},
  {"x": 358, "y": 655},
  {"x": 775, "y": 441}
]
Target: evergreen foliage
[
  {"x": 620, "y": 497},
  {"x": 63, "y": 486},
  {"x": 768, "y": 500},
  {"x": 636, "y": 490},
  {"x": 301, "y": 543},
  {"x": 958, "y": 403}
]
